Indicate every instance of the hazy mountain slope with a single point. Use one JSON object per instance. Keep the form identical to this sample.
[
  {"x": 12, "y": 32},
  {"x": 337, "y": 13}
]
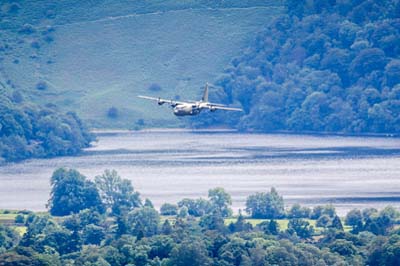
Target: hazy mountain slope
[{"x": 90, "y": 57}]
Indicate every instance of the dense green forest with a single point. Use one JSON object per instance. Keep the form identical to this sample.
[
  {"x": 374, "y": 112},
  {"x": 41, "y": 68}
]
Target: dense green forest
[
  {"x": 104, "y": 222},
  {"x": 28, "y": 130},
  {"x": 323, "y": 66}
]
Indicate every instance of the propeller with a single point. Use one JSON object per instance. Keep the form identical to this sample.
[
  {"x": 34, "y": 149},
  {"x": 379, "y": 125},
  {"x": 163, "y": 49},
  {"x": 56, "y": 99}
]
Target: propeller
[{"x": 160, "y": 102}]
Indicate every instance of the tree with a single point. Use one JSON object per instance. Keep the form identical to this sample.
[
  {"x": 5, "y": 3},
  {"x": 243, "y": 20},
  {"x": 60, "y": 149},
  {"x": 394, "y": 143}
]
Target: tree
[
  {"x": 265, "y": 205},
  {"x": 37, "y": 224},
  {"x": 160, "y": 246},
  {"x": 277, "y": 255},
  {"x": 381, "y": 223},
  {"x": 336, "y": 223},
  {"x": 343, "y": 247},
  {"x": 273, "y": 227},
  {"x": 392, "y": 73},
  {"x": 323, "y": 221},
  {"x": 117, "y": 194},
  {"x": 62, "y": 241},
  {"x": 240, "y": 225},
  {"x": 166, "y": 228},
  {"x": 354, "y": 219},
  {"x": 233, "y": 252},
  {"x": 213, "y": 221},
  {"x": 190, "y": 252},
  {"x": 8, "y": 238},
  {"x": 269, "y": 227},
  {"x": 366, "y": 61},
  {"x": 20, "y": 219},
  {"x": 220, "y": 201},
  {"x": 93, "y": 234},
  {"x": 148, "y": 203},
  {"x": 23, "y": 256},
  {"x": 296, "y": 211},
  {"x": 71, "y": 192},
  {"x": 336, "y": 60},
  {"x": 196, "y": 207},
  {"x": 329, "y": 210},
  {"x": 144, "y": 221},
  {"x": 316, "y": 212},
  {"x": 384, "y": 251},
  {"x": 169, "y": 209},
  {"x": 301, "y": 227},
  {"x": 183, "y": 212}
]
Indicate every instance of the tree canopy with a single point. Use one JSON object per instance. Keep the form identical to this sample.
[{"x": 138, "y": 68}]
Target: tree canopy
[
  {"x": 28, "y": 130},
  {"x": 71, "y": 192},
  {"x": 265, "y": 205}
]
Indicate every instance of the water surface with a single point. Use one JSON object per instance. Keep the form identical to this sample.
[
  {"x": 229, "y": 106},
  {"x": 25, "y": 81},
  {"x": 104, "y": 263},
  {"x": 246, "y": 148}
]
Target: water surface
[{"x": 167, "y": 166}]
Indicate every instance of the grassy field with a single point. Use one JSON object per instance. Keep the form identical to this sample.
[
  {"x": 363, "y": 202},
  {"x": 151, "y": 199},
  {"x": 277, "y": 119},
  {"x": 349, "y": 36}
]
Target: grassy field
[
  {"x": 9, "y": 218},
  {"x": 93, "y": 61},
  {"x": 283, "y": 223},
  {"x": 20, "y": 229}
]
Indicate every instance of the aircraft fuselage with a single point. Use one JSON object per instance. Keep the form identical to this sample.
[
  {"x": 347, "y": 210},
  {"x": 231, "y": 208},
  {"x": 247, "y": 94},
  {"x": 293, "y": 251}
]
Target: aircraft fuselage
[{"x": 187, "y": 109}]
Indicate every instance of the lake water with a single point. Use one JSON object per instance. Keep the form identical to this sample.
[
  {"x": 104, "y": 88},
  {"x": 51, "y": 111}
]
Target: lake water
[{"x": 167, "y": 166}]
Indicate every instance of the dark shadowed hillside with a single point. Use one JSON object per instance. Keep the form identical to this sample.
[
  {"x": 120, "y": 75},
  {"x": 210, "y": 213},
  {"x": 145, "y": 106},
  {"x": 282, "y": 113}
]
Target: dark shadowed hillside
[
  {"x": 95, "y": 57},
  {"x": 324, "y": 66}
]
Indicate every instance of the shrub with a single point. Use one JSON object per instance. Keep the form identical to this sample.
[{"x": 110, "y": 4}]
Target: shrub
[
  {"x": 17, "y": 97},
  {"x": 27, "y": 29},
  {"x": 35, "y": 44},
  {"x": 41, "y": 85},
  {"x": 20, "y": 219},
  {"x": 48, "y": 39},
  {"x": 140, "y": 122},
  {"x": 301, "y": 227},
  {"x": 154, "y": 87},
  {"x": 112, "y": 112}
]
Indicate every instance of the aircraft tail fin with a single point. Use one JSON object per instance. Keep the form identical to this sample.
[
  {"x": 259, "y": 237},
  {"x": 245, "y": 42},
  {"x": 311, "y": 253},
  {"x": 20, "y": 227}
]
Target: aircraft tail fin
[{"x": 205, "y": 94}]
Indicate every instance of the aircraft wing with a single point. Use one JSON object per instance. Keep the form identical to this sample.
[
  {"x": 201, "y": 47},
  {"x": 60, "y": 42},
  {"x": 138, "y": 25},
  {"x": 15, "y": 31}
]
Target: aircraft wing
[
  {"x": 216, "y": 104},
  {"x": 160, "y": 100},
  {"x": 219, "y": 107}
]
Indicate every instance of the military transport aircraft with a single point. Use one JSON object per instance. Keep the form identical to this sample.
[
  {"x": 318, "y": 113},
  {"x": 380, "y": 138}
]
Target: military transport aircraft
[{"x": 192, "y": 107}]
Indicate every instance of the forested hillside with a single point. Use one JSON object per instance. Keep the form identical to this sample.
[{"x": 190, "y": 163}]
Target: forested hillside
[
  {"x": 93, "y": 57},
  {"x": 28, "y": 130},
  {"x": 323, "y": 66}
]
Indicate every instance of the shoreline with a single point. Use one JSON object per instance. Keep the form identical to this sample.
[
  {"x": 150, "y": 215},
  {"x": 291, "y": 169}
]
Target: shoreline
[{"x": 230, "y": 130}]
